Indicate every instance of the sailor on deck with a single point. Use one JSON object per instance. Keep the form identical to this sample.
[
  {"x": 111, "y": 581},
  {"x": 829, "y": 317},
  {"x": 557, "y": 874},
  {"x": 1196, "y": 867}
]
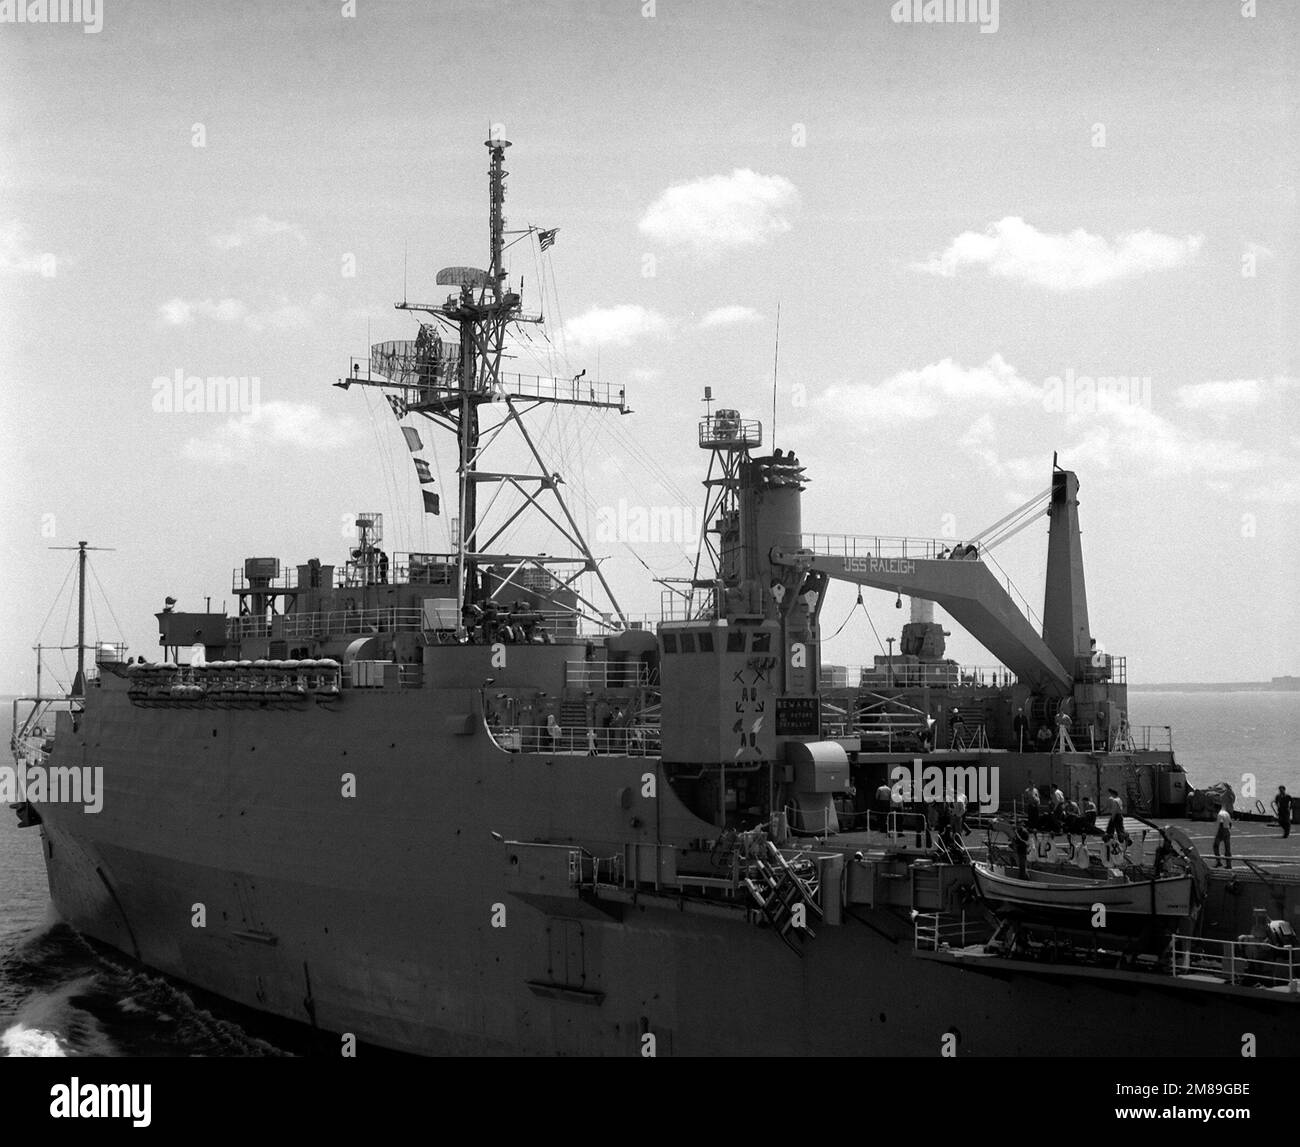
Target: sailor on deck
[
  {"x": 1020, "y": 729},
  {"x": 1282, "y": 804},
  {"x": 884, "y": 795},
  {"x": 1223, "y": 835},
  {"x": 1115, "y": 810},
  {"x": 1031, "y": 806}
]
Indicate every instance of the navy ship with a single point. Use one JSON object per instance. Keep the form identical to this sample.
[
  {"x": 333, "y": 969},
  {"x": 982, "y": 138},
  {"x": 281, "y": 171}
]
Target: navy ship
[{"x": 460, "y": 803}]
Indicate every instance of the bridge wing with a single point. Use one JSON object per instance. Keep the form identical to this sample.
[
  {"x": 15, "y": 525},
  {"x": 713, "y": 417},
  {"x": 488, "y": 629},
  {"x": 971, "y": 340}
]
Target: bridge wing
[{"x": 967, "y": 590}]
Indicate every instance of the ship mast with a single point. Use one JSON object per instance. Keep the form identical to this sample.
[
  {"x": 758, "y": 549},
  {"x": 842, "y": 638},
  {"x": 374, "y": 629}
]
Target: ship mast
[
  {"x": 79, "y": 681},
  {"x": 449, "y": 382}
]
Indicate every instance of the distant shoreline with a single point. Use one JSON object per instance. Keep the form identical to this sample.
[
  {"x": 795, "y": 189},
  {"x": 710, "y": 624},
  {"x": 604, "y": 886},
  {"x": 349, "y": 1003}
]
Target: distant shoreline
[{"x": 1219, "y": 687}]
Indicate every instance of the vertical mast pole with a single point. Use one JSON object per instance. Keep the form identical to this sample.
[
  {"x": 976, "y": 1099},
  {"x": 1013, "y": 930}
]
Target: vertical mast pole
[
  {"x": 497, "y": 176},
  {"x": 481, "y": 334},
  {"x": 79, "y": 684}
]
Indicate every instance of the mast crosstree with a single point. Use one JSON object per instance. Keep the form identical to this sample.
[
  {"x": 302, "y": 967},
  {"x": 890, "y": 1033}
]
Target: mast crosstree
[
  {"x": 79, "y": 681},
  {"x": 449, "y": 381}
]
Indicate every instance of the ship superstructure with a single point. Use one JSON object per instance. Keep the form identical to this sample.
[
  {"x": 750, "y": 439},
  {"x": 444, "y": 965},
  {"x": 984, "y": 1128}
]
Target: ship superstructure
[{"x": 459, "y": 802}]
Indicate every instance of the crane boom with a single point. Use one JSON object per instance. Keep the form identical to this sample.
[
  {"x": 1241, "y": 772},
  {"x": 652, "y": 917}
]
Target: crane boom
[{"x": 969, "y": 592}]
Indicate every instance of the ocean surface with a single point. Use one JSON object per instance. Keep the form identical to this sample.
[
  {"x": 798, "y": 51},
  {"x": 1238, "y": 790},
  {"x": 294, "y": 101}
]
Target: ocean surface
[{"x": 61, "y": 997}]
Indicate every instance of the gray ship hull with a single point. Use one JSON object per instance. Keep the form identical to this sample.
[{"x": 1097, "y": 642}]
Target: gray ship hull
[{"x": 226, "y": 855}]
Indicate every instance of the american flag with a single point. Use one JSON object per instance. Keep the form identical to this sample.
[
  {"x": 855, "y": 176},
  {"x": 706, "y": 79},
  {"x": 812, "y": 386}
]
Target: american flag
[{"x": 546, "y": 238}]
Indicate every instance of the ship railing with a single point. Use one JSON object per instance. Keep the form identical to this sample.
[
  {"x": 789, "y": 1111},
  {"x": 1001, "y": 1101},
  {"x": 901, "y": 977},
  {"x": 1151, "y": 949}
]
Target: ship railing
[
  {"x": 388, "y": 619},
  {"x": 728, "y": 430},
  {"x": 370, "y": 674},
  {"x": 1251, "y": 963},
  {"x": 241, "y": 582},
  {"x": 909, "y": 675},
  {"x": 1144, "y": 738},
  {"x": 588, "y": 871},
  {"x": 1102, "y": 667},
  {"x": 818, "y": 823},
  {"x": 620, "y": 741},
  {"x": 31, "y": 730},
  {"x": 241, "y": 627},
  {"x": 700, "y": 606},
  {"x": 879, "y": 546},
  {"x": 937, "y": 931},
  {"x": 606, "y": 674},
  {"x": 580, "y": 390},
  {"x": 423, "y": 569},
  {"x": 585, "y": 390}
]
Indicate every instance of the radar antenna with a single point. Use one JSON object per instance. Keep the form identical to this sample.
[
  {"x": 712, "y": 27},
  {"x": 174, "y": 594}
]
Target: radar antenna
[{"x": 448, "y": 382}]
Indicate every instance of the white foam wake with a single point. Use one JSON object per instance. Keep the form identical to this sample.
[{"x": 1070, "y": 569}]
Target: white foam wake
[{"x": 49, "y": 1024}]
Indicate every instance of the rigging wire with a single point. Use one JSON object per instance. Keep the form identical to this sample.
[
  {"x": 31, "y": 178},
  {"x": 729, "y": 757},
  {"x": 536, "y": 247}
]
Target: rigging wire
[
  {"x": 847, "y": 619},
  {"x": 121, "y": 633},
  {"x": 94, "y": 615},
  {"x": 63, "y": 640},
  {"x": 57, "y": 598}
]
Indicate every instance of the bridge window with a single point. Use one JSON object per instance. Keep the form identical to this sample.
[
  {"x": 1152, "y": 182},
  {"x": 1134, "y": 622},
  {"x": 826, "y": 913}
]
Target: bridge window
[
  {"x": 762, "y": 642},
  {"x": 736, "y": 641},
  {"x": 706, "y": 642},
  {"x": 670, "y": 642},
  {"x": 688, "y": 643}
]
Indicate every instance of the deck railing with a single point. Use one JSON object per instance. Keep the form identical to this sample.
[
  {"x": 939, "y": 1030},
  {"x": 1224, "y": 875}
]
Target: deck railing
[
  {"x": 877, "y": 546},
  {"x": 1146, "y": 738},
  {"x": 1249, "y": 962},
  {"x": 606, "y": 674},
  {"x": 624, "y": 741},
  {"x": 934, "y": 931},
  {"x": 903, "y": 675}
]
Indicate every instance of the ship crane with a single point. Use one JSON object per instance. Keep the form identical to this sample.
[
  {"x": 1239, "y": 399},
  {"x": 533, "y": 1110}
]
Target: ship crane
[{"x": 960, "y": 582}]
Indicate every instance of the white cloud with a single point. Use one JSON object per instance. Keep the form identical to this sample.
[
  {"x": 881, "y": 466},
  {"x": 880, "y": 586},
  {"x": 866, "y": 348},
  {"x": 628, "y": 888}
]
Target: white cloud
[
  {"x": 925, "y": 393},
  {"x": 247, "y": 230},
  {"x": 1219, "y": 397},
  {"x": 613, "y": 326},
  {"x": 1014, "y": 249},
  {"x": 726, "y": 316},
  {"x": 181, "y": 312},
  {"x": 719, "y": 212},
  {"x": 980, "y": 441},
  {"x": 16, "y": 255},
  {"x": 1128, "y": 435},
  {"x": 296, "y": 424},
  {"x": 1278, "y": 492}
]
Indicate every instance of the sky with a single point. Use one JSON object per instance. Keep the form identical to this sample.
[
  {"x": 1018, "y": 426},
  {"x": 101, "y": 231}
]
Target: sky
[{"x": 964, "y": 224}]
